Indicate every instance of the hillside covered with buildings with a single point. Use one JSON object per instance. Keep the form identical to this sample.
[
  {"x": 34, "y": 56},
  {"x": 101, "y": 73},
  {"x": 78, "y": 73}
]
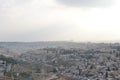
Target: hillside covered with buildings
[{"x": 59, "y": 61}]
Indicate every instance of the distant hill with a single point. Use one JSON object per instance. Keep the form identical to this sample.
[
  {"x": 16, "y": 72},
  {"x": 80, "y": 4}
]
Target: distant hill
[{"x": 16, "y": 48}]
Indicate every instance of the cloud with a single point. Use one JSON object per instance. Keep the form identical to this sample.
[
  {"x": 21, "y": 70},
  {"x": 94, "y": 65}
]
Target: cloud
[
  {"x": 12, "y": 3},
  {"x": 86, "y": 3},
  {"x": 24, "y": 20}
]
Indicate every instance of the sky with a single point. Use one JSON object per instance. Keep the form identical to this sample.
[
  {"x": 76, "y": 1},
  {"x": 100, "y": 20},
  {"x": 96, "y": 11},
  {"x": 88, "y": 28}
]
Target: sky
[{"x": 59, "y": 20}]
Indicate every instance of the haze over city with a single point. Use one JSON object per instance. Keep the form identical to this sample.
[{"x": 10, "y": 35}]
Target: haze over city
[
  {"x": 59, "y": 20},
  {"x": 59, "y": 40}
]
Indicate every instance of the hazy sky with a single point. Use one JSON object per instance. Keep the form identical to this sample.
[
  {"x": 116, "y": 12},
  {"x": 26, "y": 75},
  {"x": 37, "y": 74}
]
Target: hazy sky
[{"x": 56, "y": 20}]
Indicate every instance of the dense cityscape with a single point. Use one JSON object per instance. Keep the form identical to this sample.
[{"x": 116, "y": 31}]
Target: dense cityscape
[{"x": 59, "y": 61}]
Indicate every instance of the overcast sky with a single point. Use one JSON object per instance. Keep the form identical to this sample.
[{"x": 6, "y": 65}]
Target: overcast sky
[{"x": 59, "y": 20}]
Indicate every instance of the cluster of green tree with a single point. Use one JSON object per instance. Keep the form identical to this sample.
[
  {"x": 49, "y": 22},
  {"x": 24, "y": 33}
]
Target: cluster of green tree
[
  {"x": 8, "y": 59},
  {"x": 20, "y": 76}
]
